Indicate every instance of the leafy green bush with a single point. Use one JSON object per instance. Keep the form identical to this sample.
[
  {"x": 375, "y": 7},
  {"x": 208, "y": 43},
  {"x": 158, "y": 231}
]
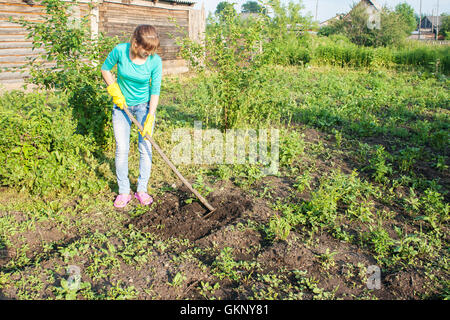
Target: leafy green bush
[
  {"x": 431, "y": 58},
  {"x": 71, "y": 62},
  {"x": 392, "y": 28},
  {"x": 39, "y": 149},
  {"x": 290, "y": 51},
  {"x": 230, "y": 51},
  {"x": 234, "y": 59}
]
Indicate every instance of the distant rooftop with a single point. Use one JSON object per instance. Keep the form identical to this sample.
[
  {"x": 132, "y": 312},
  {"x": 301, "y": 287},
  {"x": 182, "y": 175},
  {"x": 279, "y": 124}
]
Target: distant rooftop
[
  {"x": 376, "y": 5},
  {"x": 177, "y": 1},
  {"x": 435, "y": 19}
]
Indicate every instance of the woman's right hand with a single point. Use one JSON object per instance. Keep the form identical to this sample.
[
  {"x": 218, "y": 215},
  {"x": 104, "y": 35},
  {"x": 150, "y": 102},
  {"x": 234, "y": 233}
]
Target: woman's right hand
[{"x": 118, "y": 98}]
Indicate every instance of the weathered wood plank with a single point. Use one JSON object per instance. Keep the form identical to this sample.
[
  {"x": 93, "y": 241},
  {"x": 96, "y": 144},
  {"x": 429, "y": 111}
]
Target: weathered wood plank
[
  {"x": 21, "y": 64},
  {"x": 18, "y": 58},
  {"x": 12, "y": 37},
  {"x": 16, "y": 2},
  {"x": 13, "y": 75},
  {"x": 169, "y": 11},
  {"x": 146, "y": 15},
  {"x": 141, "y": 20},
  {"x": 20, "y": 51},
  {"x": 17, "y": 15},
  {"x": 6, "y": 24},
  {"x": 15, "y": 44},
  {"x": 25, "y": 9},
  {"x": 153, "y": 12},
  {"x": 174, "y": 66}
]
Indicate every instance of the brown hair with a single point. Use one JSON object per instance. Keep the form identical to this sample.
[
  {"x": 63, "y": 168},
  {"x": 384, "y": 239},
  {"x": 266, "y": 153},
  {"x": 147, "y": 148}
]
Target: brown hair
[{"x": 144, "y": 38}]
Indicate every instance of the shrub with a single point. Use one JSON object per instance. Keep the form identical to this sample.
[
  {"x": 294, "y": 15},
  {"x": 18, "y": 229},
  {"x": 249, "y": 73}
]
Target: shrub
[
  {"x": 39, "y": 149},
  {"x": 288, "y": 52},
  {"x": 71, "y": 63},
  {"x": 393, "y": 28},
  {"x": 234, "y": 57}
]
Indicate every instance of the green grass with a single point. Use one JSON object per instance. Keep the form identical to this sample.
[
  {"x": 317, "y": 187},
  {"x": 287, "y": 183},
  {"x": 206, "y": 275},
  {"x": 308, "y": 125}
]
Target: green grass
[{"x": 363, "y": 157}]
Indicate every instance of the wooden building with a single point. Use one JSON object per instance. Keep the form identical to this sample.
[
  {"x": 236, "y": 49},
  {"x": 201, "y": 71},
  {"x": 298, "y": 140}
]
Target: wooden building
[
  {"x": 431, "y": 23},
  {"x": 111, "y": 17},
  {"x": 371, "y": 7},
  {"x": 428, "y": 29}
]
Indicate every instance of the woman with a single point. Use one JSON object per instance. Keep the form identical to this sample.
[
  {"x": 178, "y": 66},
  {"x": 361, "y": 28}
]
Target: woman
[{"x": 137, "y": 64}]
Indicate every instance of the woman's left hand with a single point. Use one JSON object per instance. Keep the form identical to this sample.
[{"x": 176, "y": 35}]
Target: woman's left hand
[{"x": 148, "y": 125}]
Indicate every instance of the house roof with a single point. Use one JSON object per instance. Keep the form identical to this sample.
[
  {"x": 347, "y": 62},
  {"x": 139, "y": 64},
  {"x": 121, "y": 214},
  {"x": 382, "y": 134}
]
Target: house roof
[
  {"x": 375, "y": 4},
  {"x": 179, "y": 1},
  {"x": 337, "y": 16},
  {"x": 435, "y": 19}
]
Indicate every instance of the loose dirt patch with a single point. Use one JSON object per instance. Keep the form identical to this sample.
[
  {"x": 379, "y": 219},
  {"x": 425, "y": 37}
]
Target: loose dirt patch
[{"x": 173, "y": 217}]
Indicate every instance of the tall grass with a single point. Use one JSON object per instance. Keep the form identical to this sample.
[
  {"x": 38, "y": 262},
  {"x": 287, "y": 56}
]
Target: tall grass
[
  {"x": 431, "y": 57},
  {"x": 337, "y": 50}
]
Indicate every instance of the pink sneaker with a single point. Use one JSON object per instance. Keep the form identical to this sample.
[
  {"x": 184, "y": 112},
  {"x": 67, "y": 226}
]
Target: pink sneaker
[
  {"x": 144, "y": 198},
  {"x": 122, "y": 200}
]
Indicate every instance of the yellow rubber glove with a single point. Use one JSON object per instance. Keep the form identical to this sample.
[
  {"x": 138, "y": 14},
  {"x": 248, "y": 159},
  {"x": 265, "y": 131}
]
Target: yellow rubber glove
[
  {"x": 118, "y": 98},
  {"x": 148, "y": 125}
]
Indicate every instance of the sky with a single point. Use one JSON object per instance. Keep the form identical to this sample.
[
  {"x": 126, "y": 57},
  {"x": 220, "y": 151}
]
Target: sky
[{"x": 329, "y": 8}]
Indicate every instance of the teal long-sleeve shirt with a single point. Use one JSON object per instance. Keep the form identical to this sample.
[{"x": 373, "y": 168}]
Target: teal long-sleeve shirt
[{"x": 134, "y": 79}]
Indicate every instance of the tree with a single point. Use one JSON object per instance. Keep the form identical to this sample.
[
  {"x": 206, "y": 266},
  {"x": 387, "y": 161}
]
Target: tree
[
  {"x": 407, "y": 14},
  {"x": 252, "y": 7},
  {"x": 393, "y": 27},
  {"x": 354, "y": 26},
  {"x": 222, "y": 5},
  {"x": 444, "y": 28},
  {"x": 287, "y": 17}
]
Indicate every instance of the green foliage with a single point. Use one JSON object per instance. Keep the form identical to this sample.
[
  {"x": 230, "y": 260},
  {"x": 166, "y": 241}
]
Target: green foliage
[
  {"x": 287, "y": 19},
  {"x": 287, "y": 41},
  {"x": 278, "y": 228},
  {"x": 252, "y": 7},
  {"x": 71, "y": 62},
  {"x": 406, "y": 13},
  {"x": 226, "y": 266},
  {"x": 235, "y": 57},
  {"x": 427, "y": 57},
  {"x": 288, "y": 52},
  {"x": 39, "y": 148},
  {"x": 379, "y": 165},
  {"x": 436, "y": 211},
  {"x": 231, "y": 51},
  {"x": 67, "y": 293},
  {"x": 224, "y": 5},
  {"x": 339, "y": 51},
  {"x": 392, "y": 30},
  {"x": 444, "y": 28},
  {"x": 291, "y": 148}
]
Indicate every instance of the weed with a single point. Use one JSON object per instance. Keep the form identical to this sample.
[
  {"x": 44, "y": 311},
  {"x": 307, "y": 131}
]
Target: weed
[
  {"x": 278, "y": 228},
  {"x": 207, "y": 290},
  {"x": 327, "y": 259}
]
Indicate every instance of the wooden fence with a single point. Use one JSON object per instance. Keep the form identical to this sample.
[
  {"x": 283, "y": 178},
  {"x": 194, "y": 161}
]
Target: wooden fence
[{"x": 111, "y": 17}]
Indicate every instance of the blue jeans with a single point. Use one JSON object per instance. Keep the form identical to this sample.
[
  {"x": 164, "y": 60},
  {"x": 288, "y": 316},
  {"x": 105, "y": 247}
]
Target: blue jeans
[{"x": 122, "y": 128}]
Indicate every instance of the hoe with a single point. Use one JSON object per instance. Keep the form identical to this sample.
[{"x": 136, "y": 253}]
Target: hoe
[{"x": 170, "y": 164}]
